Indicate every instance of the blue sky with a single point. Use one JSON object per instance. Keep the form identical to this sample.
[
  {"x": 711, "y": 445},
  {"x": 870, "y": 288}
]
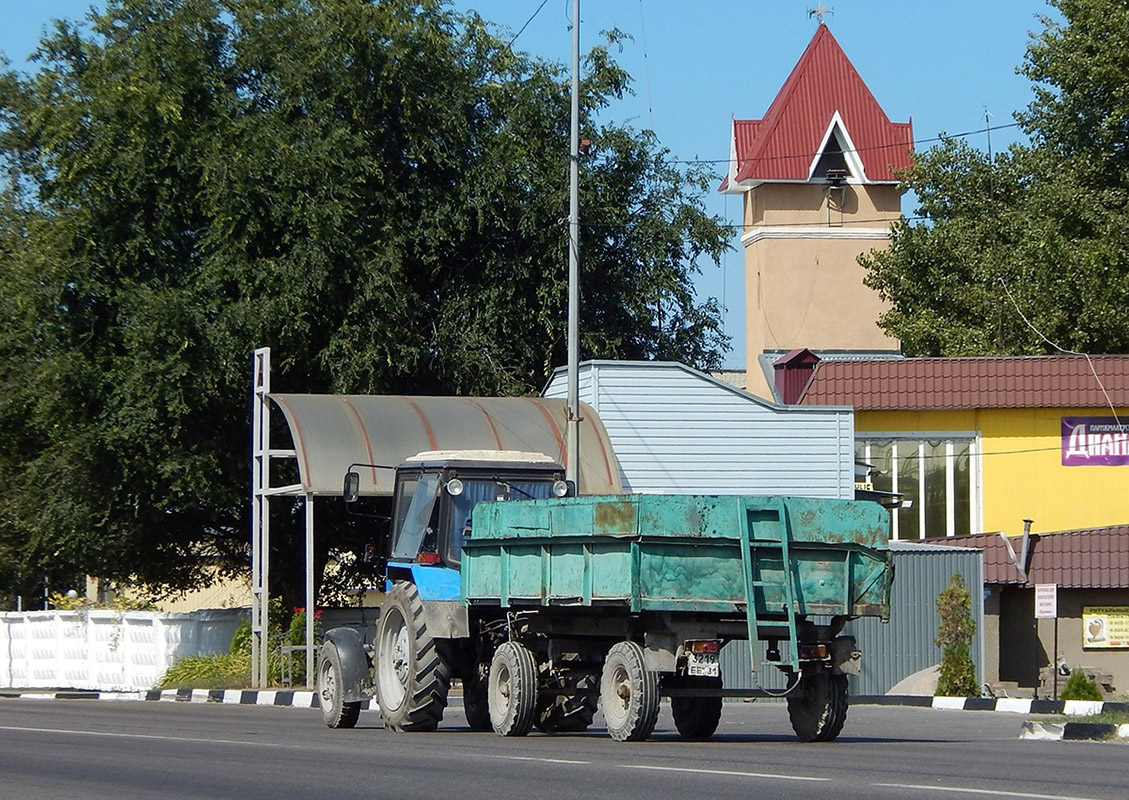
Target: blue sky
[{"x": 698, "y": 64}]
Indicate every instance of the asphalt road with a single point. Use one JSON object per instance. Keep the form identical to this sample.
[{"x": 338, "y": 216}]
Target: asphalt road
[{"x": 95, "y": 750}]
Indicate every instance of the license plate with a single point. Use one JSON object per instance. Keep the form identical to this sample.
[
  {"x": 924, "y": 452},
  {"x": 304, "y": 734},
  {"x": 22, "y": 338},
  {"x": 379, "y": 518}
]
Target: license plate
[{"x": 703, "y": 665}]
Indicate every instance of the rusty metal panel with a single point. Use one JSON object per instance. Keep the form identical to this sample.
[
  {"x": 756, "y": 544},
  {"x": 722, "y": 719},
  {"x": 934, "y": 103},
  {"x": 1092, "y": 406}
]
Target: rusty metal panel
[{"x": 681, "y": 553}]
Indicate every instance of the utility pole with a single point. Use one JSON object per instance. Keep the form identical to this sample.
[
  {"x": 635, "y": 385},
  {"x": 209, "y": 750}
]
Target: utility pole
[{"x": 572, "y": 431}]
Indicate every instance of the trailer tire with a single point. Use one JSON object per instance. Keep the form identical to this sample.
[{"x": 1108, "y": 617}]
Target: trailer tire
[
  {"x": 512, "y": 689},
  {"x": 476, "y": 704},
  {"x": 696, "y": 717},
  {"x": 629, "y": 693},
  {"x": 819, "y": 708},
  {"x": 331, "y": 688},
  {"x": 412, "y": 676}
]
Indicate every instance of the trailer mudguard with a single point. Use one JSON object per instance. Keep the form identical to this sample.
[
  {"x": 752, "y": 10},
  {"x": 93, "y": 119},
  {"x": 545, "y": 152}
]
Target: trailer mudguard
[{"x": 356, "y": 677}]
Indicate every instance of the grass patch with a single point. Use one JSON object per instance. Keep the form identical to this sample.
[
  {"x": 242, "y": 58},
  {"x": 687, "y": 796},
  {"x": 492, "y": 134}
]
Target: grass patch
[{"x": 222, "y": 671}]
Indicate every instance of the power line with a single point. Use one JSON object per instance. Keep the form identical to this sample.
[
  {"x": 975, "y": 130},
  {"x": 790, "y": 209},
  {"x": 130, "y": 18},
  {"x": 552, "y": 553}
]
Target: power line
[
  {"x": 913, "y": 144},
  {"x": 526, "y": 25}
]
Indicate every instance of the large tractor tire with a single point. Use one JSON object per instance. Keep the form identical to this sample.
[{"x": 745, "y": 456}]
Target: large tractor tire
[
  {"x": 331, "y": 687},
  {"x": 818, "y": 708},
  {"x": 412, "y": 677},
  {"x": 629, "y": 693},
  {"x": 697, "y": 717},
  {"x": 512, "y": 689}
]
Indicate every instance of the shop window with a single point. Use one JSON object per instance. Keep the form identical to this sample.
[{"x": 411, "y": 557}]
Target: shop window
[{"x": 935, "y": 477}]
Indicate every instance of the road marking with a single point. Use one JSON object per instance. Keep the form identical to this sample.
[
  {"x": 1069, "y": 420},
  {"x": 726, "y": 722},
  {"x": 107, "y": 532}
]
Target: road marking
[
  {"x": 993, "y": 792},
  {"x": 540, "y": 760},
  {"x": 726, "y": 772},
  {"x": 135, "y": 736}
]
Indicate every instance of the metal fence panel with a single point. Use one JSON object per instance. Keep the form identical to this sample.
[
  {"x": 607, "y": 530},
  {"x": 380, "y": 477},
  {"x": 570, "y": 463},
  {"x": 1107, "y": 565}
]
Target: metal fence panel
[{"x": 906, "y": 644}]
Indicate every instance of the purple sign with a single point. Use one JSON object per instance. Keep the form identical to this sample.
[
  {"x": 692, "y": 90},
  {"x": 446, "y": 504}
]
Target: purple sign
[{"x": 1094, "y": 441}]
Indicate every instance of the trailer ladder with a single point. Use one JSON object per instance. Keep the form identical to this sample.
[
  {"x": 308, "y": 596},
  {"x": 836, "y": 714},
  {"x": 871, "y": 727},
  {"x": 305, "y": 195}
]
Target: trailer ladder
[{"x": 765, "y": 534}]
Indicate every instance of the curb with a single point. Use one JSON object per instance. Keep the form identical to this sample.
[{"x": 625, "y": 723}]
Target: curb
[
  {"x": 1073, "y": 730},
  {"x": 244, "y": 697},
  {"x": 306, "y": 699},
  {"x": 1015, "y": 705}
]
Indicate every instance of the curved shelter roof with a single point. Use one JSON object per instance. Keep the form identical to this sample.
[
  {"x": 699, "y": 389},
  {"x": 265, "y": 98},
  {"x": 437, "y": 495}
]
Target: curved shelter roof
[{"x": 330, "y": 432}]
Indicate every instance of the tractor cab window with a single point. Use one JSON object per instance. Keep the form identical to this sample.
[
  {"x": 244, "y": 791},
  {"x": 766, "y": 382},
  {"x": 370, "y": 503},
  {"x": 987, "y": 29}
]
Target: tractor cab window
[
  {"x": 416, "y": 514},
  {"x": 477, "y": 490}
]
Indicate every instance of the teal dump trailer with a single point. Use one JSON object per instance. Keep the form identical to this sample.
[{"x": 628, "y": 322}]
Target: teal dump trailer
[{"x": 549, "y": 607}]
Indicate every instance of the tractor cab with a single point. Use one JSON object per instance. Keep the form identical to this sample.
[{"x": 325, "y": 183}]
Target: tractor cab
[{"x": 436, "y": 492}]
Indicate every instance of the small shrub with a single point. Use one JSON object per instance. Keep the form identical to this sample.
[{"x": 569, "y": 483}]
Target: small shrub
[
  {"x": 1079, "y": 687},
  {"x": 958, "y": 673},
  {"x": 241, "y": 640}
]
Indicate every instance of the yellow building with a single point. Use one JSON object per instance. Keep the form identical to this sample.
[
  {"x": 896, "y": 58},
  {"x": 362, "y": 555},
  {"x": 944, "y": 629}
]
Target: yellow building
[
  {"x": 817, "y": 179},
  {"x": 981, "y": 444}
]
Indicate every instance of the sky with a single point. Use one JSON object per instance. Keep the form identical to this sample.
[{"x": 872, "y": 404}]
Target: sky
[{"x": 945, "y": 65}]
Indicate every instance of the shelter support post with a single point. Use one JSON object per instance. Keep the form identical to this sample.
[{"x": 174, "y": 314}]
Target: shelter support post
[
  {"x": 260, "y": 516},
  {"x": 310, "y": 599}
]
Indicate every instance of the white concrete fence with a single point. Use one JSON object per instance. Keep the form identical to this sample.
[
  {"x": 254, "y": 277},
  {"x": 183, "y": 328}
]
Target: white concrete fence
[{"x": 106, "y": 650}]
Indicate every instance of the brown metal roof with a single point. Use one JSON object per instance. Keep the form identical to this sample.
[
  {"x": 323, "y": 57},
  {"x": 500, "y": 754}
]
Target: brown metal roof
[
  {"x": 966, "y": 383},
  {"x": 1089, "y": 558}
]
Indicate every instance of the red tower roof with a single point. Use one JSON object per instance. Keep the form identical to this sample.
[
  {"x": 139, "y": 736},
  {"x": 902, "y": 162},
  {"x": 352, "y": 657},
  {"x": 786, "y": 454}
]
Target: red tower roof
[{"x": 823, "y": 105}]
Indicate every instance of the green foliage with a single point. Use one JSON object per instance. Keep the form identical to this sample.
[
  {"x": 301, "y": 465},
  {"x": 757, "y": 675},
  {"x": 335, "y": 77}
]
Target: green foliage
[
  {"x": 374, "y": 189},
  {"x": 220, "y": 671},
  {"x": 241, "y": 640},
  {"x": 232, "y": 670},
  {"x": 1038, "y": 231},
  {"x": 61, "y": 601},
  {"x": 954, "y": 636},
  {"x": 1079, "y": 687}
]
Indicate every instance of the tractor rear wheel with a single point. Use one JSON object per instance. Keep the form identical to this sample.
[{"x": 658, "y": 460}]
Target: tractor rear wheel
[{"x": 412, "y": 677}]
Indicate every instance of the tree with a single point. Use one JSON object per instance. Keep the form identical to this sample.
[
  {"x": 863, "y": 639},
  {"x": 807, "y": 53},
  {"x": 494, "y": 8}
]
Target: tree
[
  {"x": 1037, "y": 232},
  {"x": 958, "y": 674},
  {"x": 375, "y": 189}
]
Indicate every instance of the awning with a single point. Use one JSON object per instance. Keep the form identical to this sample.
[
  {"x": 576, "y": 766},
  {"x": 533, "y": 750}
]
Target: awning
[{"x": 330, "y": 432}]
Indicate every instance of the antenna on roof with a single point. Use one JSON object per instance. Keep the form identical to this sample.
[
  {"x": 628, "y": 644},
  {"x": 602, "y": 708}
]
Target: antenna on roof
[{"x": 820, "y": 11}]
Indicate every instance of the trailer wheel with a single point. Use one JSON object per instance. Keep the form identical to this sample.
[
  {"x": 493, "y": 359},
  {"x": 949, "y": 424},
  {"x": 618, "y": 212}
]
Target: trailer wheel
[
  {"x": 512, "y": 690},
  {"x": 412, "y": 677},
  {"x": 475, "y": 703},
  {"x": 334, "y": 711},
  {"x": 629, "y": 693},
  {"x": 696, "y": 717},
  {"x": 818, "y": 708}
]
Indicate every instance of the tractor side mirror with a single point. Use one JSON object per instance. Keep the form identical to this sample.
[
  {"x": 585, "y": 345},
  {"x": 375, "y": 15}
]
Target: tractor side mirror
[{"x": 352, "y": 488}]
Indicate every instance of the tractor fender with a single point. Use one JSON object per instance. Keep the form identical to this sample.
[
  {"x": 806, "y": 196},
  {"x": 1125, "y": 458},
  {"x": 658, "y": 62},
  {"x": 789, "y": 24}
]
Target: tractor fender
[{"x": 356, "y": 672}]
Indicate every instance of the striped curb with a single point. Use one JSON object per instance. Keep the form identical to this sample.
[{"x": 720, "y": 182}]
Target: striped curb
[
  {"x": 1073, "y": 730},
  {"x": 244, "y": 697},
  {"x": 1015, "y": 705}
]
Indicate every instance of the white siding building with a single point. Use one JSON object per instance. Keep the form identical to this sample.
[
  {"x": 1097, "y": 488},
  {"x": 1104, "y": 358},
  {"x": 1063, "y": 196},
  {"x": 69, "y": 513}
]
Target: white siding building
[{"x": 676, "y": 430}]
